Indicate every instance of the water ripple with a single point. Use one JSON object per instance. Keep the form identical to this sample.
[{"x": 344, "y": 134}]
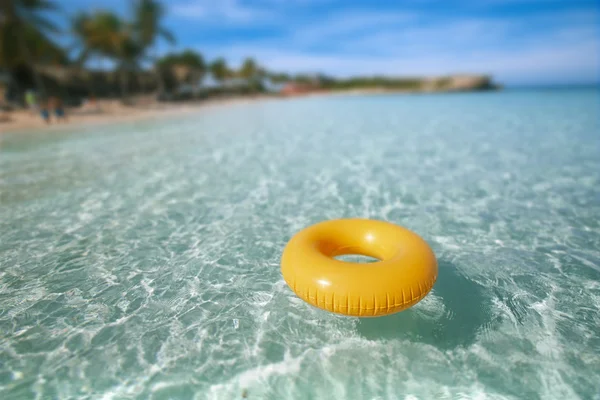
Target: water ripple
[{"x": 141, "y": 261}]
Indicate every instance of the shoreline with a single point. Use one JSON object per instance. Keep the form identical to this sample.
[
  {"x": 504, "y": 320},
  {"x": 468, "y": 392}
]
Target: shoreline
[{"x": 112, "y": 111}]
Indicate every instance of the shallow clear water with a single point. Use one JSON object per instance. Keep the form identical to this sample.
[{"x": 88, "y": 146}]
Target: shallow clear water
[{"x": 141, "y": 260}]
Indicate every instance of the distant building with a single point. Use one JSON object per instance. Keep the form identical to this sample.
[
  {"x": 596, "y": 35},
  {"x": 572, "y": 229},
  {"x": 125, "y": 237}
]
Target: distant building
[
  {"x": 271, "y": 86},
  {"x": 208, "y": 81},
  {"x": 235, "y": 83},
  {"x": 294, "y": 88}
]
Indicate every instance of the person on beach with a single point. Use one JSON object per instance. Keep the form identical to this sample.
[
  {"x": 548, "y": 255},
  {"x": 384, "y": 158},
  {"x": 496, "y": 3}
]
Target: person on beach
[
  {"x": 44, "y": 111},
  {"x": 57, "y": 106}
]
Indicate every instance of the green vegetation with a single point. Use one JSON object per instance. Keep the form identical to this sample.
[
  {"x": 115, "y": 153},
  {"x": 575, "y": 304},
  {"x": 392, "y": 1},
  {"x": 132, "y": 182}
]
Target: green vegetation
[
  {"x": 279, "y": 77},
  {"x": 148, "y": 29},
  {"x": 220, "y": 70},
  {"x": 23, "y": 20},
  {"x": 373, "y": 83},
  {"x": 187, "y": 58},
  {"x": 250, "y": 69}
]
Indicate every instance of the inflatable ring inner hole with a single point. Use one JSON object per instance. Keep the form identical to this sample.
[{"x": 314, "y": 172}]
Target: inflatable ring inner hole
[
  {"x": 355, "y": 251},
  {"x": 356, "y": 258}
]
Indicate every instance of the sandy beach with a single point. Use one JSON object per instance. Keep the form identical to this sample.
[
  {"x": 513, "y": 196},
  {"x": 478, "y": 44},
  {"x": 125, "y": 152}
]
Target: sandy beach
[{"x": 111, "y": 111}]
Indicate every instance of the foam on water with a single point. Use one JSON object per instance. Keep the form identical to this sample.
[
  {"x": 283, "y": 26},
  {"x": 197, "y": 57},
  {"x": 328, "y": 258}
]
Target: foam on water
[{"x": 142, "y": 260}]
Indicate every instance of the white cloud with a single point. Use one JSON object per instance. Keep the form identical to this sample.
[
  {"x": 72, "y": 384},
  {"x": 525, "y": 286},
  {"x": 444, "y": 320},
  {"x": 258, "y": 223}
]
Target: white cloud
[
  {"x": 546, "y": 45},
  {"x": 566, "y": 53},
  {"x": 239, "y": 11},
  {"x": 545, "y": 63},
  {"x": 354, "y": 22},
  {"x": 222, "y": 11}
]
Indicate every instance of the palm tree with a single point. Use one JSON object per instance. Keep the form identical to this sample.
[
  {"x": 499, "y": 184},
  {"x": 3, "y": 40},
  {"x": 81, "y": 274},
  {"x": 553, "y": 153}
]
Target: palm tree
[
  {"x": 219, "y": 69},
  {"x": 278, "y": 77},
  {"x": 189, "y": 58},
  {"x": 196, "y": 63},
  {"x": 22, "y": 20},
  {"x": 250, "y": 69},
  {"x": 82, "y": 26},
  {"x": 192, "y": 61},
  {"x": 129, "y": 54},
  {"x": 148, "y": 29},
  {"x": 105, "y": 34}
]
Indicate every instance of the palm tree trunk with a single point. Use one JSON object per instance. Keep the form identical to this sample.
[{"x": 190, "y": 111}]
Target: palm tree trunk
[
  {"x": 194, "y": 83},
  {"x": 29, "y": 60},
  {"x": 123, "y": 76},
  {"x": 88, "y": 79},
  {"x": 159, "y": 77},
  {"x": 141, "y": 81}
]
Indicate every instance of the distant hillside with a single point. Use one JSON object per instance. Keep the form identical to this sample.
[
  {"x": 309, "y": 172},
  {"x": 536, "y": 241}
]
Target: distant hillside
[{"x": 451, "y": 83}]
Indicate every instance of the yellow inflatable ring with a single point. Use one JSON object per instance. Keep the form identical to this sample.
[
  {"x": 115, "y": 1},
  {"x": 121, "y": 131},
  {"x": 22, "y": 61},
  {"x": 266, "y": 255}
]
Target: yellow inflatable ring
[{"x": 406, "y": 271}]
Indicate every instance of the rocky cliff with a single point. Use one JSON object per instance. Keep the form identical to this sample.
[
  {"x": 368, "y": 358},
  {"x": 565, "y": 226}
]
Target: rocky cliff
[{"x": 457, "y": 83}]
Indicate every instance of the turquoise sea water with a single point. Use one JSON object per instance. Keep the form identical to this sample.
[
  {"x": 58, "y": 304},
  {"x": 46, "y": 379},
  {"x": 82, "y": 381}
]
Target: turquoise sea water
[{"x": 141, "y": 260}]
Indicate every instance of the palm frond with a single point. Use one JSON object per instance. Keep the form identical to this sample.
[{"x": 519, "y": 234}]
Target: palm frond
[
  {"x": 83, "y": 57},
  {"x": 167, "y": 35},
  {"x": 39, "y": 5},
  {"x": 42, "y": 23}
]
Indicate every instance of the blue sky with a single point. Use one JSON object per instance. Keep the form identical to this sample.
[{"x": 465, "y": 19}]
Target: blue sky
[{"x": 516, "y": 41}]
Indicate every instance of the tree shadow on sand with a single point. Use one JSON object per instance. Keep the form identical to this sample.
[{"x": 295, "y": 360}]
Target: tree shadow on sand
[{"x": 467, "y": 312}]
